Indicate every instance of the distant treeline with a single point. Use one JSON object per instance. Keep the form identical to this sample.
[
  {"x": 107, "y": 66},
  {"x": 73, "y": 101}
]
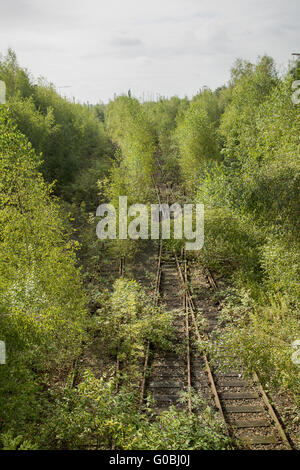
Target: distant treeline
[{"x": 70, "y": 136}]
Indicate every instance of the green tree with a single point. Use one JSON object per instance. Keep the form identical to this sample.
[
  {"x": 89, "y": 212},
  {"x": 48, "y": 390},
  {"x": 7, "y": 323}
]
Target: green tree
[
  {"x": 198, "y": 144},
  {"x": 42, "y": 304}
]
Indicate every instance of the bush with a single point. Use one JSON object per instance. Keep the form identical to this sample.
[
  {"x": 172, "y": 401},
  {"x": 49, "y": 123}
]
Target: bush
[
  {"x": 129, "y": 318},
  {"x": 94, "y": 416}
]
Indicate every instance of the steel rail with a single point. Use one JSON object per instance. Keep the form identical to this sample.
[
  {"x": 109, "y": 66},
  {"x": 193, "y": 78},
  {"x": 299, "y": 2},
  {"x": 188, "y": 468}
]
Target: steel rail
[
  {"x": 156, "y": 297},
  {"x": 272, "y": 412},
  {"x": 190, "y": 307},
  {"x": 263, "y": 394},
  {"x": 200, "y": 341},
  {"x": 147, "y": 350},
  {"x": 117, "y": 369},
  {"x": 188, "y": 357}
]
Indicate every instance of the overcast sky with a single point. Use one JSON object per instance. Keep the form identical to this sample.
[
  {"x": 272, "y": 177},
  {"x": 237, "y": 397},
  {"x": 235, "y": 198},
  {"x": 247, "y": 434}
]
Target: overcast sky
[{"x": 150, "y": 46}]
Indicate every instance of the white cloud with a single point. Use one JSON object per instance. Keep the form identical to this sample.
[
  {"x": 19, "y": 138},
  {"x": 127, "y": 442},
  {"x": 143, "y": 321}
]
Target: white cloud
[{"x": 167, "y": 47}]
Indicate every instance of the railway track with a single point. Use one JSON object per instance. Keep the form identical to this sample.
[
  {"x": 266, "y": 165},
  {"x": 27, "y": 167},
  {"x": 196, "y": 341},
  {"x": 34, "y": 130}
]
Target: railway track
[
  {"x": 242, "y": 403},
  {"x": 168, "y": 370},
  {"x": 109, "y": 272},
  {"x": 184, "y": 369}
]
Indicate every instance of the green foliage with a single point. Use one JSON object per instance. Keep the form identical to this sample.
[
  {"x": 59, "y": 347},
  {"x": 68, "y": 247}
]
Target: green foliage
[
  {"x": 129, "y": 129},
  {"x": 197, "y": 140},
  {"x": 237, "y": 151},
  {"x": 129, "y": 318},
  {"x": 78, "y": 140},
  {"x": 280, "y": 260},
  {"x": 252, "y": 219},
  {"x": 163, "y": 116},
  {"x": 295, "y": 69},
  {"x": 16, "y": 443},
  {"x": 176, "y": 430},
  {"x": 17, "y": 80},
  {"x": 260, "y": 338},
  {"x": 70, "y": 136},
  {"x": 231, "y": 246},
  {"x": 209, "y": 102},
  {"x": 94, "y": 416},
  {"x": 252, "y": 85},
  {"x": 42, "y": 304},
  {"x": 132, "y": 173}
]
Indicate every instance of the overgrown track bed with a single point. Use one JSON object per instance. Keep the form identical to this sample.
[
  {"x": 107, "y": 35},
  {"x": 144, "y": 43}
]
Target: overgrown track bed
[
  {"x": 243, "y": 404},
  {"x": 171, "y": 373},
  {"x": 93, "y": 356}
]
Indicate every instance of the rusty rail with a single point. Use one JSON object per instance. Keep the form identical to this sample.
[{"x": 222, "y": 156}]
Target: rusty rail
[
  {"x": 188, "y": 358},
  {"x": 147, "y": 349},
  {"x": 256, "y": 380},
  {"x": 206, "y": 362}
]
